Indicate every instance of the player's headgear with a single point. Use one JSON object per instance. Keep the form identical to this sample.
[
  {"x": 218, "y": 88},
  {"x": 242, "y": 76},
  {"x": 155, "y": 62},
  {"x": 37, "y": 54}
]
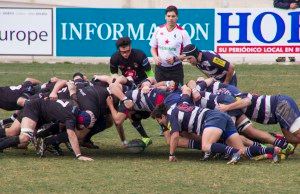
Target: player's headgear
[
  {"x": 86, "y": 118},
  {"x": 190, "y": 50}
]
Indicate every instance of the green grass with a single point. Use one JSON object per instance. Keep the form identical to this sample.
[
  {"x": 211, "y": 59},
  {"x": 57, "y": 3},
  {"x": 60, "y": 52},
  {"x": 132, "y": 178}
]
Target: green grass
[{"x": 116, "y": 171}]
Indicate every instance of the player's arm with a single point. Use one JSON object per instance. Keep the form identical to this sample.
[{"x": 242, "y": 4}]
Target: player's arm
[
  {"x": 221, "y": 63},
  {"x": 239, "y": 104},
  {"x": 229, "y": 74},
  {"x": 185, "y": 41},
  {"x": 116, "y": 89},
  {"x": 118, "y": 117},
  {"x": 72, "y": 90},
  {"x": 58, "y": 85},
  {"x": 209, "y": 81},
  {"x": 155, "y": 56},
  {"x": 75, "y": 145},
  {"x": 33, "y": 81},
  {"x": 173, "y": 145}
]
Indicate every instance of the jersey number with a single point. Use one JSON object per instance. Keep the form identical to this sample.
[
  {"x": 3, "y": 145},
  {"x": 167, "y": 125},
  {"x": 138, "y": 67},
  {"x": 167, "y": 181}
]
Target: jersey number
[
  {"x": 64, "y": 104},
  {"x": 15, "y": 87}
]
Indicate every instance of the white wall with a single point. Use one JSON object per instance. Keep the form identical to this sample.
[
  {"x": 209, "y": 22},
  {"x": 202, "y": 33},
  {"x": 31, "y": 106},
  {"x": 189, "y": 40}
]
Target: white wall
[{"x": 142, "y": 3}]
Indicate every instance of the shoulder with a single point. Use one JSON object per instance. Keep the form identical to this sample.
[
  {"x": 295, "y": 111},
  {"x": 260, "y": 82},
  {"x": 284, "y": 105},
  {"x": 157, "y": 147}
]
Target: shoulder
[
  {"x": 179, "y": 27},
  {"x": 115, "y": 57},
  {"x": 138, "y": 52}
]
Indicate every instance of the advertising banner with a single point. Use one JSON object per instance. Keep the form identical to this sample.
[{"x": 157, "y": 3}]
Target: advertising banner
[
  {"x": 26, "y": 31},
  {"x": 257, "y": 31},
  {"x": 93, "y": 32}
]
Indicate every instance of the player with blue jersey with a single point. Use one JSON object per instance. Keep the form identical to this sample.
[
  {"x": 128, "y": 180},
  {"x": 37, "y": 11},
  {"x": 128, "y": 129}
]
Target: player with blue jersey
[
  {"x": 270, "y": 109},
  {"x": 210, "y": 124},
  {"x": 211, "y": 64}
]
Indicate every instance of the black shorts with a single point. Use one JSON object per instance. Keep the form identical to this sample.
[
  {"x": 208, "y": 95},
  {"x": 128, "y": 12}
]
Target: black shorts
[
  {"x": 31, "y": 110},
  {"x": 139, "y": 115},
  {"x": 170, "y": 73}
]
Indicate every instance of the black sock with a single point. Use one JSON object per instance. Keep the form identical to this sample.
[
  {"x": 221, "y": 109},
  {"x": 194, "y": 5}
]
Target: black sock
[
  {"x": 256, "y": 144},
  {"x": 57, "y": 139},
  {"x": 48, "y": 130},
  {"x": 9, "y": 142},
  {"x": 223, "y": 149},
  {"x": 6, "y": 121},
  {"x": 139, "y": 127},
  {"x": 257, "y": 150},
  {"x": 194, "y": 144},
  {"x": 2, "y": 132}
]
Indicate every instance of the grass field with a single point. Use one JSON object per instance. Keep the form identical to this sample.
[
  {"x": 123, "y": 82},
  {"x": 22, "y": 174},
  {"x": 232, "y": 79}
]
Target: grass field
[{"x": 116, "y": 171}]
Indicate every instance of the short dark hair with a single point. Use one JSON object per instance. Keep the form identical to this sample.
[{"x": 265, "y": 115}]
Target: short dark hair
[
  {"x": 159, "y": 111},
  {"x": 78, "y": 74},
  {"x": 123, "y": 41},
  {"x": 172, "y": 8}
]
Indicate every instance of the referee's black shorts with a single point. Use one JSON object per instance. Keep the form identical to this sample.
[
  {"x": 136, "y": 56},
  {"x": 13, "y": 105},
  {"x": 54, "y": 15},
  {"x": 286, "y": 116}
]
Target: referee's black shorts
[{"x": 174, "y": 73}]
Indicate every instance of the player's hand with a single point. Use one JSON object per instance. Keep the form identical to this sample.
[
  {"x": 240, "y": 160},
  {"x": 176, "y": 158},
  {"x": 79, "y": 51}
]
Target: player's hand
[
  {"x": 71, "y": 87},
  {"x": 128, "y": 104},
  {"x": 196, "y": 95},
  {"x": 222, "y": 107},
  {"x": 53, "y": 96},
  {"x": 171, "y": 85},
  {"x": 124, "y": 144},
  {"x": 54, "y": 79},
  {"x": 170, "y": 60},
  {"x": 157, "y": 60},
  {"x": 84, "y": 158},
  {"x": 172, "y": 159},
  {"x": 145, "y": 90},
  {"x": 293, "y": 5}
]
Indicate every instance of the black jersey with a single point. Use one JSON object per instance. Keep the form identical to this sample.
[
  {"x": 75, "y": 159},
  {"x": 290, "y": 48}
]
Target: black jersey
[
  {"x": 9, "y": 95},
  {"x": 93, "y": 98},
  {"x": 46, "y": 111},
  {"x": 135, "y": 66}
]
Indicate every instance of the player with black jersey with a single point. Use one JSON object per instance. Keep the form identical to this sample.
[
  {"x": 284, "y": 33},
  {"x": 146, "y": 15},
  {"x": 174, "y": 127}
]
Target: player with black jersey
[
  {"x": 131, "y": 62},
  {"x": 40, "y": 111},
  {"x": 13, "y": 97}
]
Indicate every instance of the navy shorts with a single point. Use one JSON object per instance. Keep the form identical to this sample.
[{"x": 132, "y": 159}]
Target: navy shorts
[
  {"x": 214, "y": 118},
  {"x": 286, "y": 111}
]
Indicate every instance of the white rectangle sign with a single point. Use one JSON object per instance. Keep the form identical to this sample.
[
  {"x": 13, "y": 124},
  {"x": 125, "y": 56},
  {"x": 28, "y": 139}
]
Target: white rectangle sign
[
  {"x": 26, "y": 31},
  {"x": 258, "y": 31}
]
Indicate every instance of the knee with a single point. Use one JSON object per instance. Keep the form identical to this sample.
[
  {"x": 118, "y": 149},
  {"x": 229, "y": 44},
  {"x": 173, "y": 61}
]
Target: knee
[
  {"x": 26, "y": 135},
  {"x": 24, "y": 138}
]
